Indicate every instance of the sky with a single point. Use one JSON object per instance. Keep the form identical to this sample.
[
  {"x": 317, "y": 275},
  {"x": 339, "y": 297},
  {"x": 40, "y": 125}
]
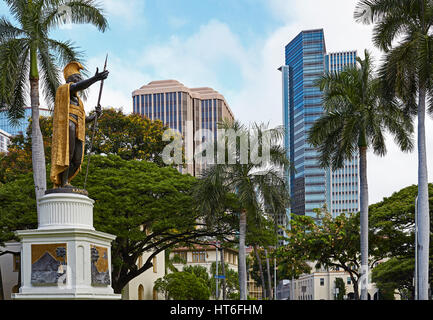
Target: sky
[{"x": 235, "y": 47}]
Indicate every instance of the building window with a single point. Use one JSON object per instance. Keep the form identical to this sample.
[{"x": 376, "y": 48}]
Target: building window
[
  {"x": 154, "y": 262},
  {"x": 322, "y": 281},
  {"x": 140, "y": 262},
  {"x": 183, "y": 255},
  {"x": 16, "y": 262},
  {"x": 140, "y": 292},
  {"x": 349, "y": 280},
  {"x": 198, "y": 256}
]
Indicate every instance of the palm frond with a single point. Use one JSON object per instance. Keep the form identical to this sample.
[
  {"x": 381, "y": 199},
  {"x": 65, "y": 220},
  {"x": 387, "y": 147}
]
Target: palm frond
[
  {"x": 88, "y": 11},
  {"x": 13, "y": 76},
  {"x": 50, "y": 74},
  {"x": 8, "y": 30}
]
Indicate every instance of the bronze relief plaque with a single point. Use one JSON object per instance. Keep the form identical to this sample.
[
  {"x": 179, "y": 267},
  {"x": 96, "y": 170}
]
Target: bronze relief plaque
[
  {"x": 99, "y": 265},
  {"x": 49, "y": 264}
]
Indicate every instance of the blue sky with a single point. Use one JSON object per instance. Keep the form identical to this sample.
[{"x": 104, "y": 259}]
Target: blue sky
[{"x": 233, "y": 46}]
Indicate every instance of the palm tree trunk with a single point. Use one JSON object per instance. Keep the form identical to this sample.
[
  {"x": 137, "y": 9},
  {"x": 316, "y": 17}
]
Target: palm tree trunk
[
  {"x": 364, "y": 221},
  {"x": 223, "y": 270},
  {"x": 38, "y": 154},
  {"x": 269, "y": 276},
  {"x": 2, "y": 296},
  {"x": 423, "y": 205},
  {"x": 262, "y": 276},
  {"x": 242, "y": 256}
]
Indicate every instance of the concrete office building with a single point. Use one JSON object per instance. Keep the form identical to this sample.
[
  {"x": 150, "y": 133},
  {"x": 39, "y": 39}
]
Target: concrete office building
[
  {"x": 184, "y": 109},
  {"x": 342, "y": 185},
  {"x": 5, "y": 139}
]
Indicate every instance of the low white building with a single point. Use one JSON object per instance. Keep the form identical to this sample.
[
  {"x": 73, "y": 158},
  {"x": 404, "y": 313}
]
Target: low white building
[
  {"x": 141, "y": 287},
  {"x": 204, "y": 256},
  {"x": 320, "y": 285},
  {"x": 9, "y": 270},
  {"x": 5, "y": 140}
]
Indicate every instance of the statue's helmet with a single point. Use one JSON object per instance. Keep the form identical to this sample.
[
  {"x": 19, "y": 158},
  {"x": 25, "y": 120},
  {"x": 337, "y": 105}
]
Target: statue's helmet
[{"x": 71, "y": 68}]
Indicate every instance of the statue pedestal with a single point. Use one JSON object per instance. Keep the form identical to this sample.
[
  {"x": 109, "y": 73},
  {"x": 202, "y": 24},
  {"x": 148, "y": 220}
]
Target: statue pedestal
[{"x": 65, "y": 258}]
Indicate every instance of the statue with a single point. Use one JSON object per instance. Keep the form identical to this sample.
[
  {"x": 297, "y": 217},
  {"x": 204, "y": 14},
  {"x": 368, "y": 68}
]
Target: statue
[{"x": 67, "y": 149}]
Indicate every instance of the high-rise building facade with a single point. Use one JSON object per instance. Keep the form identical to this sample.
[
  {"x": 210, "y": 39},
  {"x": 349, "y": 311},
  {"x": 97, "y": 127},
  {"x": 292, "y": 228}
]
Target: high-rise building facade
[
  {"x": 5, "y": 139},
  {"x": 342, "y": 184},
  {"x": 184, "y": 109},
  {"x": 304, "y": 64},
  {"x": 21, "y": 126},
  {"x": 310, "y": 185}
]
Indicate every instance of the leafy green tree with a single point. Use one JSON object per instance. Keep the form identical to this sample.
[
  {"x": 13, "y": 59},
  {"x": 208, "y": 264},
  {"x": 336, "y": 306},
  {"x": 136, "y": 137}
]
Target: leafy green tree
[
  {"x": 403, "y": 30},
  {"x": 169, "y": 262},
  {"x": 246, "y": 178},
  {"x": 147, "y": 207},
  {"x": 28, "y": 53},
  {"x": 394, "y": 274},
  {"x": 130, "y": 136},
  {"x": 201, "y": 273},
  {"x": 231, "y": 281},
  {"x": 339, "y": 284},
  {"x": 330, "y": 242},
  {"x": 261, "y": 234},
  {"x": 393, "y": 221},
  {"x": 18, "y": 160},
  {"x": 17, "y": 209},
  {"x": 356, "y": 118},
  {"x": 183, "y": 286}
]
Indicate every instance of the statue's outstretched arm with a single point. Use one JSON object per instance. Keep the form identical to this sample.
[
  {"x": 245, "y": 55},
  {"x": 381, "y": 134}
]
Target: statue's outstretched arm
[{"x": 84, "y": 84}]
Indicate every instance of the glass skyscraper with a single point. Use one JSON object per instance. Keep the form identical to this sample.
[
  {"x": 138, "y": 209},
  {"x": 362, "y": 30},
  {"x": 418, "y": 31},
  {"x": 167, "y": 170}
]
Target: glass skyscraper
[
  {"x": 304, "y": 64},
  {"x": 310, "y": 185},
  {"x": 23, "y": 123}
]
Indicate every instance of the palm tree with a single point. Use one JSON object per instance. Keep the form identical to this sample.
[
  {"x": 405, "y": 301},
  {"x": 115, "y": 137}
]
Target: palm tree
[
  {"x": 27, "y": 53},
  {"x": 355, "y": 120},
  {"x": 407, "y": 73},
  {"x": 251, "y": 180}
]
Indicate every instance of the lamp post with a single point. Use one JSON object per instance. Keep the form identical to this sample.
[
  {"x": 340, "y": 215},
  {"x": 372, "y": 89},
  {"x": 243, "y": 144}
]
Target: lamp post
[{"x": 216, "y": 270}]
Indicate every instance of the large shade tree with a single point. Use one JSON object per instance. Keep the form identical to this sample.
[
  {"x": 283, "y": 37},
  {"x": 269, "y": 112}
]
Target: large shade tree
[
  {"x": 247, "y": 171},
  {"x": 30, "y": 59},
  {"x": 355, "y": 120},
  {"x": 403, "y": 30}
]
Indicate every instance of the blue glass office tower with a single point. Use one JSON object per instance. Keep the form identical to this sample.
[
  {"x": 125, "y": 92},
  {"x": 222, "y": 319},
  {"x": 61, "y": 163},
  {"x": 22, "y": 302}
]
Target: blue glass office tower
[
  {"x": 23, "y": 123},
  {"x": 304, "y": 64},
  {"x": 311, "y": 186}
]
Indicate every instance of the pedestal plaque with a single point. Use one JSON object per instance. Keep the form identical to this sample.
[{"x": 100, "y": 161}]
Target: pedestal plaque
[{"x": 65, "y": 258}]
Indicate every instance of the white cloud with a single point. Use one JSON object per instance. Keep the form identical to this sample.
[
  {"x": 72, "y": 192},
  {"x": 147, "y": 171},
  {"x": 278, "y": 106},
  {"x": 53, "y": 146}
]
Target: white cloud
[
  {"x": 194, "y": 60},
  {"x": 122, "y": 80},
  {"x": 130, "y": 13}
]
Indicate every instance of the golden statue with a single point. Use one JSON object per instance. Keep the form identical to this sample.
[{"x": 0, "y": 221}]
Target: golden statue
[{"x": 69, "y": 124}]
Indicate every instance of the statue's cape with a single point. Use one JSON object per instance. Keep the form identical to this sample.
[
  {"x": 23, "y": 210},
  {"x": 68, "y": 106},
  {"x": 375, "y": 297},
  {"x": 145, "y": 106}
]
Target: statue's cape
[{"x": 60, "y": 139}]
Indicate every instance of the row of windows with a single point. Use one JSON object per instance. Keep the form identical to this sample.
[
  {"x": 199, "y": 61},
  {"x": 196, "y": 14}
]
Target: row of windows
[{"x": 164, "y": 107}]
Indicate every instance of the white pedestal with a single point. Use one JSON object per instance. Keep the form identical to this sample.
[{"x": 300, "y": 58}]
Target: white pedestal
[{"x": 65, "y": 258}]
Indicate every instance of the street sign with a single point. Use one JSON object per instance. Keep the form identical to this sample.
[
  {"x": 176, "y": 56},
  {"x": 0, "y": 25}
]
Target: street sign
[{"x": 220, "y": 277}]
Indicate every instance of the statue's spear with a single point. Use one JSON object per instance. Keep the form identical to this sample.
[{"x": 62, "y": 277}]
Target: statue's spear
[{"x": 95, "y": 124}]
